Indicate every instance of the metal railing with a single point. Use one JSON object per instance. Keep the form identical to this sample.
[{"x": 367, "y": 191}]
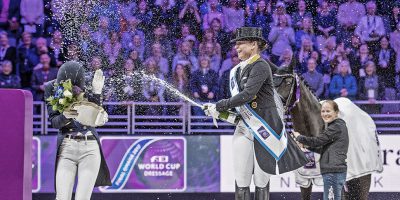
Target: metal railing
[{"x": 138, "y": 118}]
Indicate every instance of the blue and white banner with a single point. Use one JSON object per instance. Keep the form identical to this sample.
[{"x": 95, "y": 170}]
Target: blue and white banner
[{"x": 275, "y": 144}]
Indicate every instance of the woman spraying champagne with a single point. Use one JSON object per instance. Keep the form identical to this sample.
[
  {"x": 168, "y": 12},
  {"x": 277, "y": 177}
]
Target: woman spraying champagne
[{"x": 261, "y": 145}]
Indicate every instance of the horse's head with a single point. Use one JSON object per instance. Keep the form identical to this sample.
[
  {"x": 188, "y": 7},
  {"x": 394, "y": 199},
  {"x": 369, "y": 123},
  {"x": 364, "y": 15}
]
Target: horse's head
[
  {"x": 305, "y": 112},
  {"x": 284, "y": 80}
]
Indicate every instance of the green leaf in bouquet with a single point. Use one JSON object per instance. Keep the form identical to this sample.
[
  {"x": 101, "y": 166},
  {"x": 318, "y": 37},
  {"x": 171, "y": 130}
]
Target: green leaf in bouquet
[
  {"x": 50, "y": 99},
  {"x": 54, "y": 107},
  {"x": 67, "y": 85},
  {"x": 80, "y": 97}
]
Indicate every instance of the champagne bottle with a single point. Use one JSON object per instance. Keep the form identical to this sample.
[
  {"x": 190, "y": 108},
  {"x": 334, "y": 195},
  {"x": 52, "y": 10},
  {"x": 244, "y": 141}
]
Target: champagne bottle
[{"x": 227, "y": 116}]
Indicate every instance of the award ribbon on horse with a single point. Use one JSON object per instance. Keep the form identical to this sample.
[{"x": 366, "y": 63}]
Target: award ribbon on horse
[{"x": 275, "y": 144}]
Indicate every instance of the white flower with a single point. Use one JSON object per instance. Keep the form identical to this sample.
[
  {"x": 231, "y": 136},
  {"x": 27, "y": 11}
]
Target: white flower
[
  {"x": 67, "y": 94},
  {"x": 62, "y": 101}
]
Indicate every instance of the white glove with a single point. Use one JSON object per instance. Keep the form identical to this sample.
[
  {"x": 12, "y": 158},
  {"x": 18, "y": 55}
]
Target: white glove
[
  {"x": 98, "y": 82},
  {"x": 211, "y": 110}
]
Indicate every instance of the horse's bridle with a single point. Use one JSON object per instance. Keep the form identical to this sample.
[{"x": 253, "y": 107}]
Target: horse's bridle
[{"x": 295, "y": 77}]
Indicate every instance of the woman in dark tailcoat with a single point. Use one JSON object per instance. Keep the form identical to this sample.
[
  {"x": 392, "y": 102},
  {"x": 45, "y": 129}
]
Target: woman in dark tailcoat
[
  {"x": 78, "y": 147},
  {"x": 255, "y": 94}
]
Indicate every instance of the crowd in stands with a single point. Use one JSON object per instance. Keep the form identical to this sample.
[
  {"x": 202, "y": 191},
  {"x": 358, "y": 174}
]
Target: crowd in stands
[{"x": 348, "y": 48}]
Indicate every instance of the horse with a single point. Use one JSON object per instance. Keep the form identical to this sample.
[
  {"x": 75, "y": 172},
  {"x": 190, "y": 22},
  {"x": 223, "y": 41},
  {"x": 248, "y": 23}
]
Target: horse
[{"x": 364, "y": 156}]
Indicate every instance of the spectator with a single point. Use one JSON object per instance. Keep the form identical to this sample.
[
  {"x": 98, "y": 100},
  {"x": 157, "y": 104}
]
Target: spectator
[
  {"x": 127, "y": 8},
  {"x": 130, "y": 82},
  {"x": 386, "y": 61},
  {"x": 228, "y": 62},
  {"x": 145, "y": 15},
  {"x": 369, "y": 88},
  {"x": 315, "y": 55},
  {"x": 160, "y": 37},
  {"x": 206, "y": 6},
  {"x": 369, "y": 85},
  {"x": 211, "y": 52},
  {"x": 213, "y": 13},
  {"x": 25, "y": 51},
  {"x": 138, "y": 45},
  {"x": 204, "y": 84},
  {"x": 261, "y": 17},
  {"x": 223, "y": 38},
  {"x": 7, "y": 52},
  {"x": 7, "y": 78},
  {"x": 184, "y": 32},
  {"x": 32, "y": 16},
  {"x": 282, "y": 37},
  {"x": 340, "y": 54},
  {"x": 42, "y": 75},
  {"x": 343, "y": 84},
  {"x": 306, "y": 31},
  {"x": 101, "y": 35},
  {"x": 190, "y": 16},
  {"x": 280, "y": 11},
  {"x": 162, "y": 62},
  {"x": 352, "y": 50},
  {"x": 32, "y": 59},
  {"x": 304, "y": 54},
  {"x": 164, "y": 12},
  {"x": 313, "y": 78},
  {"x": 370, "y": 27},
  {"x": 349, "y": 15},
  {"x": 209, "y": 37},
  {"x": 56, "y": 48},
  {"x": 106, "y": 9},
  {"x": 359, "y": 60},
  {"x": 395, "y": 43},
  {"x": 9, "y": 15},
  {"x": 394, "y": 18},
  {"x": 286, "y": 58},
  {"x": 132, "y": 30},
  {"x": 328, "y": 55},
  {"x": 153, "y": 91},
  {"x": 224, "y": 91},
  {"x": 180, "y": 81},
  {"x": 134, "y": 55},
  {"x": 112, "y": 47},
  {"x": 326, "y": 23},
  {"x": 233, "y": 16},
  {"x": 186, "y": 54},
  {"x": 300, "y": 15}
]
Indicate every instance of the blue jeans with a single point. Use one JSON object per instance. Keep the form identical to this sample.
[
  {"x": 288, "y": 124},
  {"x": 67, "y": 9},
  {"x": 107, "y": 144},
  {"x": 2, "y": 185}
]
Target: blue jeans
[{"x": 333, "y": 184}]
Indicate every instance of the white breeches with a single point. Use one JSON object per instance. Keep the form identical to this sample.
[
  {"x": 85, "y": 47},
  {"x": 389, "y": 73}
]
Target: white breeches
[{"x": 244, "y": 160}]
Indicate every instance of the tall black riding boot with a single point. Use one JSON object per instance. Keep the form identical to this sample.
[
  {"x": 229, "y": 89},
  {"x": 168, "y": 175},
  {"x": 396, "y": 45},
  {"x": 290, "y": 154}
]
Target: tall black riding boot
[
  {"x": 262, "y": 193},
  {"x": 242, "y": 193}
]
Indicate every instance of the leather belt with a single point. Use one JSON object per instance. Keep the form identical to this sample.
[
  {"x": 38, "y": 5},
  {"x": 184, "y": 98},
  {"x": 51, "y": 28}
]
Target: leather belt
[{"x": 81, "y": 137}]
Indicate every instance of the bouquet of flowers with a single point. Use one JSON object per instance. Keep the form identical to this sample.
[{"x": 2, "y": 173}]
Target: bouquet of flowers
[{"x": 65, "y": 95}]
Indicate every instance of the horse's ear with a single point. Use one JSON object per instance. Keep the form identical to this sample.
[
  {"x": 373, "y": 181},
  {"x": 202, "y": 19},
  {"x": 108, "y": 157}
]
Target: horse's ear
[
  {"x": 274, "y": 68},
  {"x": 292, "y": 64}
]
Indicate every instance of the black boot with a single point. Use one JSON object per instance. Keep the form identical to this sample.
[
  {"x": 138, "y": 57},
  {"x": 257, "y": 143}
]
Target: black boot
[
  {"x": 262, "y": 193},
  {"x": 242, "y": 193}
]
